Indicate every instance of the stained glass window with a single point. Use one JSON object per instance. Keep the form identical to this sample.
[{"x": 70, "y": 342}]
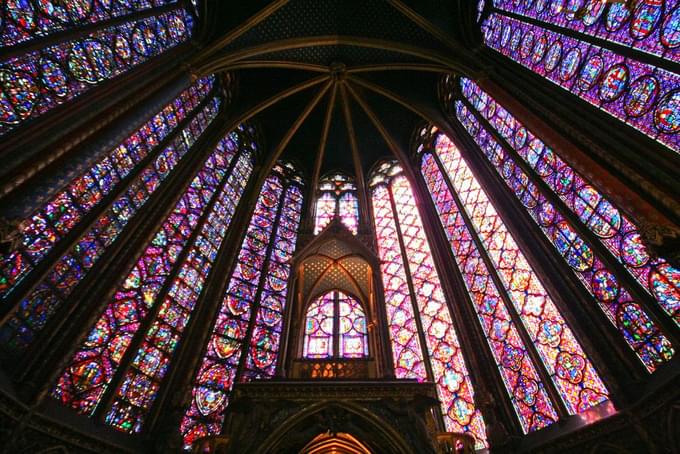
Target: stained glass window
[
  {"x": 37, "y": 81},
  {"x": 335, "y": 327},
  {"x": 651, "y": 26},
  {"x": 476, "y": 230},
  {"x": 245, "y": 336},
  {"x": 418, "y": 313},
  {"x": 144, "y": 307},
  {"x": 616, "y": 232},
  {"x": 118, "y": 185},
  {"x": 128, "y": 175},
  {"x": 337, "y": 197},
  {"x": 26, "y": 20},
  {"x": 644, "y": 96}
]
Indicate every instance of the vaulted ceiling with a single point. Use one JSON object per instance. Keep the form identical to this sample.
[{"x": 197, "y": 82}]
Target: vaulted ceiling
[{"x": 338, "y": 85}]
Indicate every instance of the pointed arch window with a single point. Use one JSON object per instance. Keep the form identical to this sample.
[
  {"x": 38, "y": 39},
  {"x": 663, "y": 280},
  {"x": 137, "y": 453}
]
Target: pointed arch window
[
  {"x": 424, "y": 341},
  {"x": 115, "y": 188},
  {"x": 536, "y": 348},
  {"x": 337, "y": 197},
  {"x": 245, "y": 338},
  {"x": 153, "y": 304},
  {"x": 34, "y": 82},
  {"x": 557, "y": 42},
  {"x": 552, "y": 192},
  {"x": 335, "y": 327}
]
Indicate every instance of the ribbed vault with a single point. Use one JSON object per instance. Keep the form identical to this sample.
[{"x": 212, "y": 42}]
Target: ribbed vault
[{"x": 319, "y": 85}]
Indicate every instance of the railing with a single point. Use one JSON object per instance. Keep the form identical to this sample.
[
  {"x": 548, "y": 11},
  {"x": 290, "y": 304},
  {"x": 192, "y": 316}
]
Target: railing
[
  {"x": 455, "y": 443},
  {"x": 344, "y": 369},
  {"x": 216, "y": 444}
]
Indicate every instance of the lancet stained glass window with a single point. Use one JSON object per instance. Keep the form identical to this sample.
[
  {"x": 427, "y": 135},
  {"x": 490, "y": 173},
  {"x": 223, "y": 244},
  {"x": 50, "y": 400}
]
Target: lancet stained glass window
[
  {"x": 617, "y": 233},
  {"x": 520, "y": 376},
  {"x": 563, "y": 358},
  {"x": 335, "y": 327},
  {"x": 117, "y": 186},
  {"x": 35, "y": 82},
  {"x": 26, "y": 20},
  {"x": 158, "y": 295},
  {"x": 337, "y": 197},
  {"x": 141, "y": 382},
  {"x": 640, "y": 94},
  {"x": 420, "y": 305},
  {"x": 246, "y": 333},
  {"x": 652, "y": 26}
]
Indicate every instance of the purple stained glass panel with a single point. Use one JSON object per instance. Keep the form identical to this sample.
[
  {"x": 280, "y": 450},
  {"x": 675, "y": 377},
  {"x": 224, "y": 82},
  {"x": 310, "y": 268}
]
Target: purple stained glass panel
[
  {"x": 38, "y": 81},
  {"x": 255, "y": 297},
  {"x": 652, "y": 26},
  {"x": 638, "y": 94},
  {"x": 136, "y": 393},
  {"x": 91, "y": 370}
]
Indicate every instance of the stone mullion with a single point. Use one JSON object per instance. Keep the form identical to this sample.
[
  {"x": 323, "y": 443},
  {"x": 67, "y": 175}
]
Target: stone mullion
[
  {"x": 411, "y": 288},
  {"x": 616, "y": 47},
  {"x": 612, "y": 358},
  {"x": 82, "y": 30},
  {"x": 43, "y": 145},
  {"x": 308, "y": 220},
  {"x": 365, "y": 214},
  {"x": 384, "y": 356},
  {"x": 336, "y": 326},
  {"x": 361, "y": 191},
  {"x": 550, "y": 387},
  {"x": 108, "y": 397},
  {"x": 625, "y": 278},
  {"x": 40, "y": 271},
  {"x": 289, "y": 333},
  {"x": 286, "y": 184},
  {"x": 88, "y": 301},
  {"x": 485, "y": 377},
  {"x": 175, "y": 394},
  {"x": 638, "y": 161}
]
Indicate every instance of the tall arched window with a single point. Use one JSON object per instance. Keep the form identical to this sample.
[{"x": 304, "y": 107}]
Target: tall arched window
[
  {"x": 245, "y": 338},
  {"x": 34, "y": 82},
  {"x": 335, "y": 327},
  {"x": 337, "y": 197},
  {"x": 424, "y": 341},
  {"x": 531, "y": 342},
  {"x": 114, "y": 188},
  {"x": 575, "y": 45},
  {"x": 153, "y": 304},
  {"x": 552, "y": 193}
]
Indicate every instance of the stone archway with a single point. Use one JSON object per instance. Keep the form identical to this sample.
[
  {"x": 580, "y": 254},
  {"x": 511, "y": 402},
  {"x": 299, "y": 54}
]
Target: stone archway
[
  {"x": 288, "y": 417},
  {"x": 339, "y": 443}
]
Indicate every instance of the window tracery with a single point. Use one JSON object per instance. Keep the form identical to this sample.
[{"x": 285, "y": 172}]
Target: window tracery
[
  {"x": 153, "y": 305},
  {"x": 335, "y": 327},
  {"x": 337, "y": 197},
  {"x": 609, "y": 226},
  {"x": 35, "y": 82},
  {"x": 638, "y": 93},
  {"x": 245, "y": 337},
  {"x": 424, "y": 341},
  {"x": 507, "y": 294},
  {"x": 131, "y": 172}
]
